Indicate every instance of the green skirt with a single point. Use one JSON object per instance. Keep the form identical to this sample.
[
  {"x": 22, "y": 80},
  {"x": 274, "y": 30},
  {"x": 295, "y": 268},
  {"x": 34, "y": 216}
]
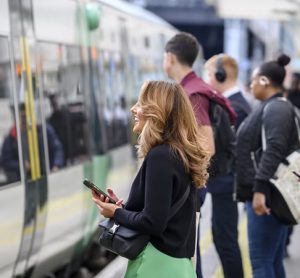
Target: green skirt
[{"x": 152, "y": 263}]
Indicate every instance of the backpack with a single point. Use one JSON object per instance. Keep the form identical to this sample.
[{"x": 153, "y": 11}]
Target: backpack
[
  {"x": 222, "y": 118},
  {"x": 224, "y": 139}
]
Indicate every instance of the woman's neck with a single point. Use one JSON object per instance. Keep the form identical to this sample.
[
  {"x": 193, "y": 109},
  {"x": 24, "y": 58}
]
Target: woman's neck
[{"x": 271, "y": 92}]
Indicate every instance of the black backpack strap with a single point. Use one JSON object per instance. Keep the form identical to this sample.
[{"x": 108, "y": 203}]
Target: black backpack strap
[{"x": 180, "y": 202}]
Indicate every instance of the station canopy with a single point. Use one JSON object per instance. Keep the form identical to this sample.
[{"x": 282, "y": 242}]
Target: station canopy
[{"x": 282, "y": 10}]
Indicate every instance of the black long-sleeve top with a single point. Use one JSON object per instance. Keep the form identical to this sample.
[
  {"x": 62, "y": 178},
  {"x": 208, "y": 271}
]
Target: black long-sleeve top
[
  {"x": 256, "y": 167},
  {"x": 160, "y": 182}
]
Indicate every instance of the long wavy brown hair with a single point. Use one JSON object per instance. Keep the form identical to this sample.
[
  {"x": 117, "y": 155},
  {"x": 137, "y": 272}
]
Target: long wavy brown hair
[{"x": 170, "y": 120}]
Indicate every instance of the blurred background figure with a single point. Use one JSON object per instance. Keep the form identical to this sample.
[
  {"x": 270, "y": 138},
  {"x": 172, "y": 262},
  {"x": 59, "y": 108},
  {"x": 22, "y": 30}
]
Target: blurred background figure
[
  {"x": 10, "y": 155},
  {"x": 68, "y": 122},
  {"x": 59, "y": 119},
  {"x": 294, "y": 91}
]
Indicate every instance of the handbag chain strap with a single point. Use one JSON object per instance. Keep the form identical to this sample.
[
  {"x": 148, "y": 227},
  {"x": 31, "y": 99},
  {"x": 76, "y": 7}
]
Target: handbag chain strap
[{"x": 180, "y": 202}]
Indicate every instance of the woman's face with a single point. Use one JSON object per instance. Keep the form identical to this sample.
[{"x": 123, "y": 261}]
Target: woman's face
[
  {"x": 257, "y": 88},
  {"x": 139, "y": 118}
]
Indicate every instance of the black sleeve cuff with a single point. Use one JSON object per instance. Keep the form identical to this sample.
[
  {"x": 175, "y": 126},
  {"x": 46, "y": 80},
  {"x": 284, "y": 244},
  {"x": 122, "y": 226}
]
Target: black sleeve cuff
[
  {"x": 118, "y": 214},
  {"x": 262, "y": 187}
]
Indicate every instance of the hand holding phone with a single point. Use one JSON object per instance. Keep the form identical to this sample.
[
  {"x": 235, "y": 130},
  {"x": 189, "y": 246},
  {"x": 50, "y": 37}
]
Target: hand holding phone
[{"x": 97, "y": 190}]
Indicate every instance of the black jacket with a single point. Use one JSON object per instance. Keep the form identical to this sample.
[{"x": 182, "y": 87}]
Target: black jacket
[{"x": 254, "y": 168}]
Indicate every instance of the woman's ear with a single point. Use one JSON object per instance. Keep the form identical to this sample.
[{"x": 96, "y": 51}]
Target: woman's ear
[{"x": 264, "y": 81}]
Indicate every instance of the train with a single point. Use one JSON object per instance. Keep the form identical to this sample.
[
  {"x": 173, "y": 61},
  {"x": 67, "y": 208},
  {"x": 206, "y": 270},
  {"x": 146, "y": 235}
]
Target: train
[{"x": 69, "y": 72}]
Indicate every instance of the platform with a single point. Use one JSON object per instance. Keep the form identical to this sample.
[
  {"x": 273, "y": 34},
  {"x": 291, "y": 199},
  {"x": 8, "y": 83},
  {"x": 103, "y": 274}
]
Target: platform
[{"x": 210, "y": 261}]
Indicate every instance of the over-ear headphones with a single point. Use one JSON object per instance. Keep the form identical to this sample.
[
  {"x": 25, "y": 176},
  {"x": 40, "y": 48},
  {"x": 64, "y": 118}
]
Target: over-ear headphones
[
  {"x": 220, "y": 73},
  {"x": 264, "y": 81}
]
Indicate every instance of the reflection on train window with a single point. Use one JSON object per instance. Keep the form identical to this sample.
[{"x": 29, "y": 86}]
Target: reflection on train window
[
  {"x": 9, "y": 161},
  {"x": 116, "y": 112},
  {"x": 146, "y": 42},
  {"x": 30, "y": 116},
  {"x": 62, "y": 85},
  {"x": 113, "y": 37}
]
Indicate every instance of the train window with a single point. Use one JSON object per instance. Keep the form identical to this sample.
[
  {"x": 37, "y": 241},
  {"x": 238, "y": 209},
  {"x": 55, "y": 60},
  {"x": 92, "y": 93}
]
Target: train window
[
  {"x": 101, "y": 35},
  {"x": 95, "y": 102},
  {"x": 9, "y": 163},
  {"x": 62, "y": 85},
  {"x": 116, "y": 112},
  {"x": 113, "y": 37},
  {"x": 26, "y": 125},
  {"x": 29, "y": 114},
  {"x": 146, "y": 42}
]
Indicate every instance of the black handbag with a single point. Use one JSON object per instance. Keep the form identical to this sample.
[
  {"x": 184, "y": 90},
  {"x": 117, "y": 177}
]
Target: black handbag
[{"x": 127, "y": 242}]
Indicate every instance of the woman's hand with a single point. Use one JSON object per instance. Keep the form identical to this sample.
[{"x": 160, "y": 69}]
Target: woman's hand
[
  {"x": 112, "y": 195},
  {"x": 259, "y": 204},
  {"x": 106, "y": 209}
]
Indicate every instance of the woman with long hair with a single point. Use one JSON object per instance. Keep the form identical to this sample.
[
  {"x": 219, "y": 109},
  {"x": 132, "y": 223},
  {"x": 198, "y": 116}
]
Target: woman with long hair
[
  {"x": 264, "y": 140},
  {"x": 173, "y": 159}
]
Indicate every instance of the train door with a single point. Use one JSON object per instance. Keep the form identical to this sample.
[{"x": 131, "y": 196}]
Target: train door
[
  {"x": 11, "y": 188},
  {"x": 30, "y": 133},
  {"x": 65, "y": 113}
]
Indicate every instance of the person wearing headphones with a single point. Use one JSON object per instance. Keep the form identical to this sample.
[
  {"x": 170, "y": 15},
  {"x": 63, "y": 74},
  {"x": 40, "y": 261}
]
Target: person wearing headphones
[{"x": 222, "y": 75}]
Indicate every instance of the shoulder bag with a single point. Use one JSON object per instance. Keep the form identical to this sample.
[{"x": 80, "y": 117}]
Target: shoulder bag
[
  {"x": 285, "y": 192},
  {"x": 127, "y": 242}
]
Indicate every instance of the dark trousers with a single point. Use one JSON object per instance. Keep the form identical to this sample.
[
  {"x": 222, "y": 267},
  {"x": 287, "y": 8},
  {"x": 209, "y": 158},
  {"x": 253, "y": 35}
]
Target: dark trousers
[
  {"x": 225, "y": 234},
  {"x": 267, "y": 236}
]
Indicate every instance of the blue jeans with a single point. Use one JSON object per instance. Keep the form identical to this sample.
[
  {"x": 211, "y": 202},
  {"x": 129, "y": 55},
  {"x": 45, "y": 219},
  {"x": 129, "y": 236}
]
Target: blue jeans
[{"x": 267, "y": 236}]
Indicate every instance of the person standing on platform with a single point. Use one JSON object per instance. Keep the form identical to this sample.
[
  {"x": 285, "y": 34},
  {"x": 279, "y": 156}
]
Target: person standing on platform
[
  {"x": 294, "y": 92},
  {"x": 222, "y": 75},
  {"x": 264, "y": 140},
  {"x": 180, "y": 54},
  {"x": 174, "y": 165}
]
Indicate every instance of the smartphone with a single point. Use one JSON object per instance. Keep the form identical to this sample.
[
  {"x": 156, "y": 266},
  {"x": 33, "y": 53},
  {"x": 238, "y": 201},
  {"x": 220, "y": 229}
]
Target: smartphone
[
  {"x": 93, "y": 187},
  {"x": 296, "y": 174}
]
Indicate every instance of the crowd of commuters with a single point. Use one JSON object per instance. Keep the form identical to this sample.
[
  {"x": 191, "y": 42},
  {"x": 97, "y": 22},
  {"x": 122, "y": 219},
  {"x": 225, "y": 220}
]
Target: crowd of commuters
[{"x": 177, "y": 139}]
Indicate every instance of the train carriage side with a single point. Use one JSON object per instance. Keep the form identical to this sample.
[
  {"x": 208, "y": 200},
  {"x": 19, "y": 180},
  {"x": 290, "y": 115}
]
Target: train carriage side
[
  {"x": 11, "y": 192},
  {"x": 79, "y": 85}
]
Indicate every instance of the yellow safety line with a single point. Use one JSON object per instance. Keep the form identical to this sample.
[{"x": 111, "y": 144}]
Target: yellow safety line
[{"x": 205, "y": 241}]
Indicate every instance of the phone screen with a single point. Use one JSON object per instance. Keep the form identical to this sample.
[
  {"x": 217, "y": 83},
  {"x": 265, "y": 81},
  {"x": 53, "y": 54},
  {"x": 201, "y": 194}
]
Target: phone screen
[{"x": 93, "y": 187}]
